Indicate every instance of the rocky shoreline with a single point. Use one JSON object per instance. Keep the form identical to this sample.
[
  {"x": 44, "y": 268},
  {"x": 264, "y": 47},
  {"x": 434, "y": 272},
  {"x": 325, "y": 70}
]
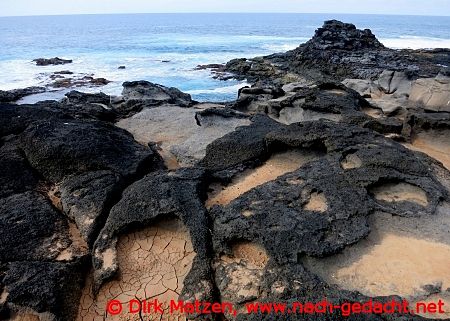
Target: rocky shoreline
[{"x": 329, "y": 177}]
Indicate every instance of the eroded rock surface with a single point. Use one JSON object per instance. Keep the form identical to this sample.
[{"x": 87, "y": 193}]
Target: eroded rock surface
[
  {"x": 180, "y": 145},
  {"x": 327, "y": 178},
  {"x": 153, "y": 262}
]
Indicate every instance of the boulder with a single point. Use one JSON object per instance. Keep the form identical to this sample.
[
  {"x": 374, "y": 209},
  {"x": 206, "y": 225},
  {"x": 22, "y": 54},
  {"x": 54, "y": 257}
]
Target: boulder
[
  {"x": 61, "y": 148},
  {"x": 155, "y": 94}
]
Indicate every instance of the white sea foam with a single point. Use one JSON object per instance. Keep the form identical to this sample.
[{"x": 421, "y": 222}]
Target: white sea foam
[
  {"x": 414, "y": 42},
  {"x": 220, "y": 90}
]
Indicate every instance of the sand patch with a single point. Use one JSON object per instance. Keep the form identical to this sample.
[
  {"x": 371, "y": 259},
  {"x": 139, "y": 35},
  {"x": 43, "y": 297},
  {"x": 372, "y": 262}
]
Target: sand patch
[
  {"x": 434, "y": 144},
  {"x": 153, "y": 263},
  {"x": 276, "y": 166},
  {"x": 317, "y": 203},
  {"x": 400, "y": 192},
  {"x": 401, "y": 257},
  {"x": 351, "y": 161}
]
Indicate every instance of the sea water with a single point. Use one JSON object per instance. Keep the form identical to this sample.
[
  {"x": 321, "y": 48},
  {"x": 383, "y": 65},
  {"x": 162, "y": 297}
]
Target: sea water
[{"x": 166, "y": 48}]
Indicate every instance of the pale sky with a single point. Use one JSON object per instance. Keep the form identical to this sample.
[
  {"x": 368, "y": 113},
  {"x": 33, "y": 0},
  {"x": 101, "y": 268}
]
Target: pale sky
[{"x": 51, "y": 7}]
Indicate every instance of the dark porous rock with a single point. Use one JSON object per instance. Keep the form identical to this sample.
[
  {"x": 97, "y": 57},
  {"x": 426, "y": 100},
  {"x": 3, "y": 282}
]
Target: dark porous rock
[
  {"x": 16, "y": 175},
  {"x": 213, "y": 67},
  {"x": 417, "y": 121},
  {"x": 336, "y": 52},
  {"x": 252, "y": 69},
  {"x": 211, "y": 115},
  {"x": 246, "y": 145},
  {"x": 63, "y": 72},
  {"x": 51, "y": 61},
  {"x": 155, "y": 94},
  {"x": 16, "y": 94},
  {"x": 280, "y": 220},
  {"x": 88, "y": 106},
  {"x": 31, "y": 229},
  {"x": 50, "y": 288},
  {"x": 87, "y": 199},
  {"x": 76, "y": 97},
  {"x": 14, "y": 119},
  {"x": 327, "y": 100},
  {"x": 335, "y": 34},
  {"x": 61, "y": 82},
  {"x": 61, "y": 148},
  {"x": 160, "y": 196}
]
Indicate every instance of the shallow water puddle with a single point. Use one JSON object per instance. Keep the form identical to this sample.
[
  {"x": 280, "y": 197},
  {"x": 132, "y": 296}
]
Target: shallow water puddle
[
  {"x": 279, "y": 164},
  {"x": 400, "y": 192},
  {"x": 153, "y": 264}
]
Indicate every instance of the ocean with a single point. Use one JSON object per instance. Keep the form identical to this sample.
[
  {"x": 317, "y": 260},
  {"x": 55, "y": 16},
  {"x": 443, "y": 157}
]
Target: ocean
[{"x": 166, "y": 48}]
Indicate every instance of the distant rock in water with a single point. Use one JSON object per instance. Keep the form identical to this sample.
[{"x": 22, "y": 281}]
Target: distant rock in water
[
  {"x": 339, "y": 35},
  {"x": 51, "y": 61}
]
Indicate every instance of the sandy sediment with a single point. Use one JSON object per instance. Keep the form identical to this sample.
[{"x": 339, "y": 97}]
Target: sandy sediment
[
  {"x": 435, "y": 144},
  {"x": 277, "y": 165},
  {"x": 400, "y": 192},
  {"x": 400, "y": 257},
  {"x": 153, "y": 263}
]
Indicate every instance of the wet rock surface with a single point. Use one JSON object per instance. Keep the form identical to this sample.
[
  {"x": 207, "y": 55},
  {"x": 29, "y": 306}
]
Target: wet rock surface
[{"x": 328, "y": 177}]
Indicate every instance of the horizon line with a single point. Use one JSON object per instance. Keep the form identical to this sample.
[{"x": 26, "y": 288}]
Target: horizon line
[{"x": 213, "y": 12}]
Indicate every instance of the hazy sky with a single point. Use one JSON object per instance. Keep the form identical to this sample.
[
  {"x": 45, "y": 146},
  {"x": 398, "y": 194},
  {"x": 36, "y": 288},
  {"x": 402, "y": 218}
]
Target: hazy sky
[{"x": 44, "y": 7}]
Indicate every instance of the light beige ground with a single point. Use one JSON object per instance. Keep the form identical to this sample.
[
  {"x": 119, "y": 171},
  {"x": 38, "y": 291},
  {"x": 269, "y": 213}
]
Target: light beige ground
[
  {"x": 153, "y": 264},
  {"x": 175, "y": 131},
  {"x": 434, "y": 144},
  {"x": 400, "y": 192},
  {"x": 399, "y": 257},
  {"x": 317, "y": 203},
  {"x": 277, "y": 165}
]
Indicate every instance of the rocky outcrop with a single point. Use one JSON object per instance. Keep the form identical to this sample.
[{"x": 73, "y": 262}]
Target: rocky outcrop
[
  {"x": 302, "y": 189},
  {"x": 51, "y": 61},
  {"x": 154, "y": 94},
  {"x": 338, "y": 51},
  {"x": 14, "y": 95},
  {"x": 335, "y": 34}
]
